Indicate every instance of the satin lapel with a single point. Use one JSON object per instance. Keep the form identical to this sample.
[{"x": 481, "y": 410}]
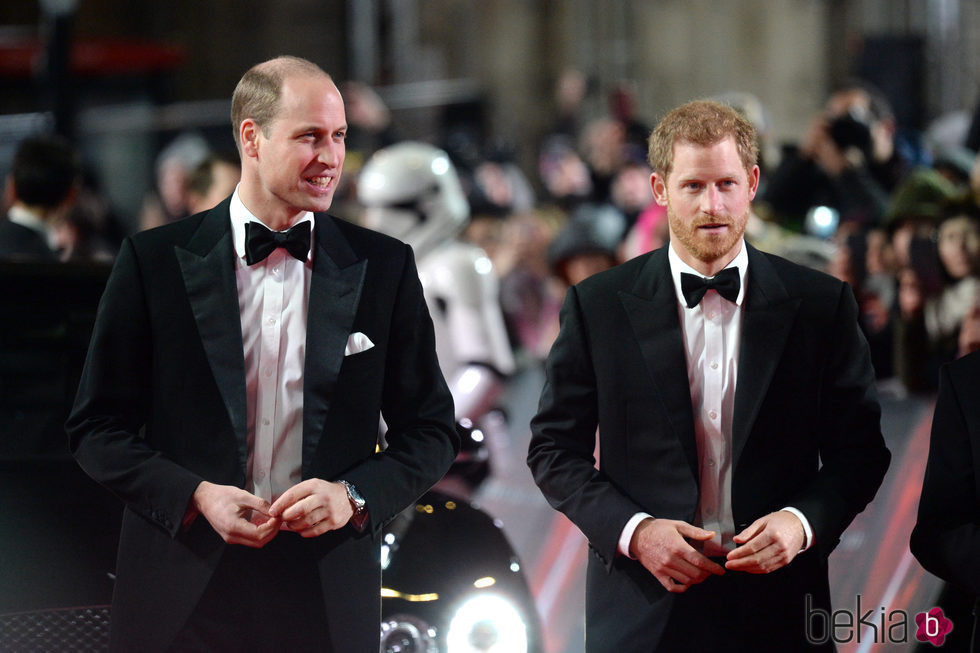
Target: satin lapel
[
  {"x": 652, "y": 312},
  {"x": 208, "y": 267},
  {"x": 335, "y": 291},
  {"x": 767, "y": 318}
]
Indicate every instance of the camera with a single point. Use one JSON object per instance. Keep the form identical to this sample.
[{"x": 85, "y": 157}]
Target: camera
[{"x": 851, "y": 129}]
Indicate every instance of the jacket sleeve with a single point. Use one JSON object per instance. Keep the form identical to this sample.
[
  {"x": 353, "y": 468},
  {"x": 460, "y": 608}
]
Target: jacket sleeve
[
  {"x": 106, "y": 423},
  {"x": 417, "y": 407},
  {"x": 563, "y": 439},
  {"x": 946, "y": 537},
  {"x": 853, "y": 454}
]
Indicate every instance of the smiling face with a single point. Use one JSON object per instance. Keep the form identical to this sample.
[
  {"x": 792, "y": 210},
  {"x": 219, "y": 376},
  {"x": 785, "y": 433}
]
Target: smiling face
[
  {"x": 293, "y": 165},
  {"x": 708, "y": 195}
]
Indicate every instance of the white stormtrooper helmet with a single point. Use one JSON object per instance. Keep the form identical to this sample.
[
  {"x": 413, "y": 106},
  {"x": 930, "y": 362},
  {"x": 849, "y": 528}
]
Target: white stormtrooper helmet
[{"x": 411, "y": 191}]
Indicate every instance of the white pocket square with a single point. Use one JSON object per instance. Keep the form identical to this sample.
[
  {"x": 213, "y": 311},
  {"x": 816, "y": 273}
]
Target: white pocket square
[{"x": 356, "y": 343}]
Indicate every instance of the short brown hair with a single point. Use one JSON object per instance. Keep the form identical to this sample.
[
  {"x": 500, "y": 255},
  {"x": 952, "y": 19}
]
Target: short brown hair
[
  {"x": 702, "y": 122},
  {"x": 260, "y": 88}
]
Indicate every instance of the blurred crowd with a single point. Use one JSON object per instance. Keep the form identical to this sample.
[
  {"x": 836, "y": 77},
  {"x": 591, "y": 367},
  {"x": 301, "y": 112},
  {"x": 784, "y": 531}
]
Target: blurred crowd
[{"x": 892, "y": 212}]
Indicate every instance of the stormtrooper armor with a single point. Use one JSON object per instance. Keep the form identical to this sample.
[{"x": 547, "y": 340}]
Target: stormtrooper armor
[{"x": 411, "y": 191}]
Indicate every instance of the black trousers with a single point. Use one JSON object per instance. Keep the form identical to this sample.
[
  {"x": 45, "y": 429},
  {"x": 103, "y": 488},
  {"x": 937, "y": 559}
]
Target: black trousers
[
  {"x": 261, "y": 600},
  {"x": 717, "y": 615}
]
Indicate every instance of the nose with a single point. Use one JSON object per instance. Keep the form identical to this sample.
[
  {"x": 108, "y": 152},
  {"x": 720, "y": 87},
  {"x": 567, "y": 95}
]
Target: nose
[
  {"x": 711, "y": 200},
  {"x": 331, "y": 153}
]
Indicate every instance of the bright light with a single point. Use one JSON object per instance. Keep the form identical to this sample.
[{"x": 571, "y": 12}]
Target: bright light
[
  {"x": 468, "y": 381},
  {"x": 823, "y": 217},
  {"x": 388, "y": 593},
  {"x": 440, "y": 165},
  {"x": 477, "y": 435},
  {"x": 486, "y": 581},
  {"x": 373, "y": 181},
  {"x": 483, "y": 265},
  {"x": 487, "y": 624}
]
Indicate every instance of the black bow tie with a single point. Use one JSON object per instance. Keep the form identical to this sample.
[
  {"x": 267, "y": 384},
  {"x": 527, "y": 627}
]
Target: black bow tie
[
  {"x": 726, "y": 282},
  {"x": 260, "y": 241}
]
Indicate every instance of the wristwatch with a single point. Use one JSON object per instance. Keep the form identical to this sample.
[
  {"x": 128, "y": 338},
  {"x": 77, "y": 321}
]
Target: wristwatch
[{"x": 358, "y": 504}]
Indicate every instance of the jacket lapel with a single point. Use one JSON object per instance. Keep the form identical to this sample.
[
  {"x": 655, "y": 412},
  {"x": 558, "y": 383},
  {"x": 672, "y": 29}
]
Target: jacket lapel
[
  {"x": 652, "y": 312},
  {"x": 768, "y": 316},
  {"x": 335, "y": 291},
  {"x": 208, "y": 269}
]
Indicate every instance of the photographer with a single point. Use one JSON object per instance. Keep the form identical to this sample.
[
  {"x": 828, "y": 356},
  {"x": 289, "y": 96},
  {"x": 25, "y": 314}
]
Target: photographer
[{"x": 847, "y": 161}]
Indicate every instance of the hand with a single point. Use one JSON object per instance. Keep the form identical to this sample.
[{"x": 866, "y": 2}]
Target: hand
[
  {"x": 313, "y": 507},
  {"x": 819, "y": 146},
  {"x": 661, "y": 547},
  {"x": 239, "y": 517},
  {"x": 769, "y": 543}
]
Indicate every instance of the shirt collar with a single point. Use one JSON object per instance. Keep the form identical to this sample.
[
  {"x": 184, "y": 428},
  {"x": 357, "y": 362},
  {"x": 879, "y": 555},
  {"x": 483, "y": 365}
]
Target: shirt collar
[
  {"x": 25, "y": 218},
  {"x": 240, "y": 215},
  {"x": 741, "y": 261}
]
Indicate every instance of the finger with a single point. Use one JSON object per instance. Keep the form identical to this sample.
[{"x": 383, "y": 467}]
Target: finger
[
  {"x": 708, "y": 565},
  {"x": 751, "y": 531},
  {"x": 692, "y": 567},
  {"x": 290, "y": 497},
  {"x": 760, "y": 563},
  {"x": 300, "y": 510},
  {"x": 693, "y": 532},
  {"x": 253, "y": 535},
  {"x": 766, "y": 560},
  {"x": 285, "y": 500},
  {"x": 753, "y": 546},
  {"x": 672, "y": 585},
  {"x": 320, "y": 528}
]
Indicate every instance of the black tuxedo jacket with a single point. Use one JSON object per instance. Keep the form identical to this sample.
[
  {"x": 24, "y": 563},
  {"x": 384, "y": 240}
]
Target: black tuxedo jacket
[
  {"x": 18, "y": 242},
  {"x": 804, "y": 394},
  {"x": 161, "y": 407},
  {"x": 946, "y": 537}
]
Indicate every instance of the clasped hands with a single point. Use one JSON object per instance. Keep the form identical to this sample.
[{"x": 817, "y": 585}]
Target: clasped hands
[
  {"x": 662, "y": 547},
  {"x": 310, "y": 508}
]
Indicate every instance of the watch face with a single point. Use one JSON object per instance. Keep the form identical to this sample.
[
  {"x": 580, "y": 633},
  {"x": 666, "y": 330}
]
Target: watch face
[{"x": 355, "y": 497}]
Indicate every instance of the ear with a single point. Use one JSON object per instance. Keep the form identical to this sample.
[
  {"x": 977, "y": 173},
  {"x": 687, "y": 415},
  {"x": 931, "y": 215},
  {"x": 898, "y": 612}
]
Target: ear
[
  {"x": 249, "y": 133},
  {"x": 659, "y": 185},
  {"x": 753, "y": 182}
]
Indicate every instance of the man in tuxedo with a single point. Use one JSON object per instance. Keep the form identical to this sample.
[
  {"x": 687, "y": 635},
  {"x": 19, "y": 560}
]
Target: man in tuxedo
[
  {"x": 738, "y": 420},
  {"x": 40, "y": 190},
  {"x": 240, "y": 364},
  {"x": 946, "y": 537}
]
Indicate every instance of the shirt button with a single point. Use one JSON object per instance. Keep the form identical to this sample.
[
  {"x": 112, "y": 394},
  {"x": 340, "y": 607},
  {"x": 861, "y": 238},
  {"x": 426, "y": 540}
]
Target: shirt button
[
  {"x": 711, "y": 462},
  {"x": 260, "y": 474},
  {"x": 268, "y": 372},
  {"x": 265, "y": 422},
  {"x": 714, "y": 366},
  {"x": 272, "y": 321},
  {"x": 712, "y": 414}
]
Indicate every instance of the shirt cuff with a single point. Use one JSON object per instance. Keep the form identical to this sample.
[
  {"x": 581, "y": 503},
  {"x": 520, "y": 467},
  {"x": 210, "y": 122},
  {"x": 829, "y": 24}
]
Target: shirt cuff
[
  {"x": 807, "y": 531},
  {"x": 627, "y": 535}
]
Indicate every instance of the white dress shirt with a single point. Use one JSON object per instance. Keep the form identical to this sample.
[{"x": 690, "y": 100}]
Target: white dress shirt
[
  {"x": 712, "y": 333},
  {"x": 25, "y": 218},
  {"x": 272, "y": 297}
]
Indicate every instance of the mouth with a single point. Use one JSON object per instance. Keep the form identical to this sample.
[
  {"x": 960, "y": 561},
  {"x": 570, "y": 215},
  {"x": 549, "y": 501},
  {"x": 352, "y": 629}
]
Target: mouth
[
  {"x": 320, "y": 182},
  {"x": 713, "y": 226}
]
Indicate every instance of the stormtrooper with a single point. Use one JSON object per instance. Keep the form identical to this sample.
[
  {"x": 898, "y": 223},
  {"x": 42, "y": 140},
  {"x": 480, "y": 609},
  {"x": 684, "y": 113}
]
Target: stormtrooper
[{"x": 411, "y": 191}]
